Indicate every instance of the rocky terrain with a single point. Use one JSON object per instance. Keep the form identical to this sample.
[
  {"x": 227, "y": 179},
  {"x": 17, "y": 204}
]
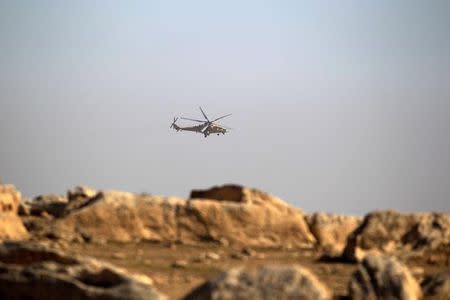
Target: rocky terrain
[{"x": 228, "y": 242}]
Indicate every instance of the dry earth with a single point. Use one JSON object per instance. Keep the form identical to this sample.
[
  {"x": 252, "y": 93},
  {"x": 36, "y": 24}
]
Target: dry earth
[{"x": 158, "y": 262}]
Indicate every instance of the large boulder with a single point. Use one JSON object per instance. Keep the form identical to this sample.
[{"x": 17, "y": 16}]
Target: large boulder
[
  {"x": 11, "y": 226},
  {"x": 383, "y": 277},
  {"x": 391, "y": 232},
  {"x": 262, "y": 221},
  {"x": 331, "y": 230},
  {"x": 269, "y": 282},
  {"x": 437, "y": 287},
  {"x": 29, "y": 271}
]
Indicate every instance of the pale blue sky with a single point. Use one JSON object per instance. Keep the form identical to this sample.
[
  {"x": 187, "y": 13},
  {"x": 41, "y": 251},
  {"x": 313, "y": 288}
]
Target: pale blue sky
[{"x": 337, "y": 106}]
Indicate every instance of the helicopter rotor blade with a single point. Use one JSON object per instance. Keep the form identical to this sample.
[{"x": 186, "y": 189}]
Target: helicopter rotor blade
[
  {"x": 204, "y": 114},
  {"x": 221, "y": 117},
  {"x": 192, "y": 120}
]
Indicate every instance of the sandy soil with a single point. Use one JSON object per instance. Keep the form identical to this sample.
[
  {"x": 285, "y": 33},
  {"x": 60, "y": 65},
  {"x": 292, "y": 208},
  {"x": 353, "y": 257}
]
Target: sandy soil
[{"x": 157, "y": 261}]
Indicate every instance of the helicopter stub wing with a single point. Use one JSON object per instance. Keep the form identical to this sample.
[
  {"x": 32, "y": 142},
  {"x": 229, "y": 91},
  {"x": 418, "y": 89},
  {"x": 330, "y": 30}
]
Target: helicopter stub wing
[{"x": 204, "y": 128}]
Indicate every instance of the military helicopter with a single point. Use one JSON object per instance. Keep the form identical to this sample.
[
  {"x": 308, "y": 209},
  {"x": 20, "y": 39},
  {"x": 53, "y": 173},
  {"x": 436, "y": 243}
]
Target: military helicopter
[{"x": 206, "y": 128}]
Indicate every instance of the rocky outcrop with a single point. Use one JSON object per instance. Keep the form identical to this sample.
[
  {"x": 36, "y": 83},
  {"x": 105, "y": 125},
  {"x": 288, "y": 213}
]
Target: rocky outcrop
[
  {"x": 331, "y": 230},
  {"x": 233, "y": 193},
  {"x": 24, "y": 208},
  {"x": 383, "y": 277},
  {"x": 262, "y": 220},
  {"x": 30, "y": 271},
  {"x": 11, "y": 227},
  {"x": 81, "y": 196},
  {"x": 81, "y": 192},
  {"x": 390, "y": 232},
  {"x": 58, "y": 205},
  {"x": 437, "y": 287},
  {"x": 54, "y": 205},
  {"x": 270, "y": 282}
]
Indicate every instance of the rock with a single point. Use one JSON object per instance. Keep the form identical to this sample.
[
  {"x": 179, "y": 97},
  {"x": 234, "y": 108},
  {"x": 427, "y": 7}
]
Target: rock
[
  {"x": 36, "y": 224},
  {"x": 11, "y": 226},
  {"x": 100, "y": 241},
  {"x": 331, "y": 230},
  {"x": 24, "y": 208},
  {"x": 29, "y": 271},
  {"x": 63, "y": 245},
  {"x": 390, "y": 232},
  {"x": 237, "y": 194},
  {"x": 417, "y": 272},
  {"x": 46, "y": 215},
  {"x": 269, "y": 282},
  {"x": 437, "y": 286},
  {"x": 232, "y": 193},
  {"x": 212, "y": 256},
  {"x": 119, "y": 255},
  {"x": 259, "y": 221},
  {"x": 180, "y": 264},
  {"x": 54, "y": 205},
  {"x": 383, "y": 277},
  {"x": 80, "y": 191},
  {"x": 45, "y": 228},
  {"x": 223, "y": 242},
  {"x": 206, "y": 256},
  {"x": 431, "y": 231},
  {"x": 9, "y": 198},
  {"x": 81, "y": 196}
]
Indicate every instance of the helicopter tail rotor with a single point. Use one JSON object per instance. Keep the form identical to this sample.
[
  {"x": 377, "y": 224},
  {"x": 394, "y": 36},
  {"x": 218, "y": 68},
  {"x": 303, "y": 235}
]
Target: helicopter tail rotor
[{"x": 173, "y": 125}]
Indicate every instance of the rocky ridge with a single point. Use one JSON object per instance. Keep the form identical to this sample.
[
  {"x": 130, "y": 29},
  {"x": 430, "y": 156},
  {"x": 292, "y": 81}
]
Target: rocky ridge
[
  {"x": 383, "y": 245},
  {"x": 254, "y": 219}
]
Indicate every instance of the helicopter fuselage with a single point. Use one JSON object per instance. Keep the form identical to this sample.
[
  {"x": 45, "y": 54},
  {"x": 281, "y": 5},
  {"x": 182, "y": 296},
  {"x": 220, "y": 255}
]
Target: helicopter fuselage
[
  {"x": 213, "y": 128},
  {"x": 210, "y": 129}
]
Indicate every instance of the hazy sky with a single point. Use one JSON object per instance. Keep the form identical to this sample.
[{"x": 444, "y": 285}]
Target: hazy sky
[{"x": 339, "y": 106}]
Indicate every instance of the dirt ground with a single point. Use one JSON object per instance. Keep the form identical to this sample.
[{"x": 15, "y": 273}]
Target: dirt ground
[{"x": 177, "y": 269}]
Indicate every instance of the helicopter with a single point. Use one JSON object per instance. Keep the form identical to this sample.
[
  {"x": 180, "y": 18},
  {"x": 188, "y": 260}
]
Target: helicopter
[{"x": 206, "y": 128}]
